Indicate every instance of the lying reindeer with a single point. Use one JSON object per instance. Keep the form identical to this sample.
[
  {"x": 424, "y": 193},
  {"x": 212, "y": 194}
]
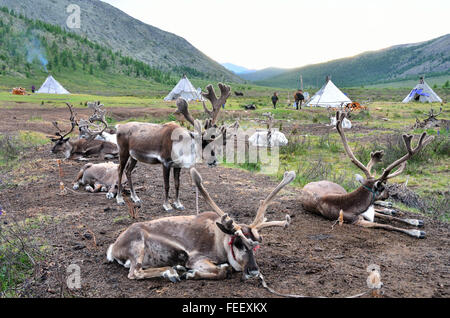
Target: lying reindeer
[
  {"x": 83, "y": 147},
  {"x": 99, "y": 177},
  {"x": 108, "y": 134},
  {"x": 170, "y": 145},
  {"x": 204, "y": 246},
  {"x": 330, "y": 199}
]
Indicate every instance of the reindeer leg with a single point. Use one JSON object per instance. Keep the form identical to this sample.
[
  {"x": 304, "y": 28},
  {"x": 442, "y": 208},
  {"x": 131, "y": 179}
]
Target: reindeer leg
[
  {"x": 166, "y": 175},
  {"x": 166, "y": 272},
  {"x": 205, "y": 269},
  {"x": 415, "y": 222},
  {"x": 129, "y": 169},
  {"x": 364, "y": 223},
  {"x": 97, "y": 187},
  {"x": 176, "y": 177},
  {"x": 123, "y": 158},
  {"x": 387, "y": 211},
  {"x": 168, "y": 252}
]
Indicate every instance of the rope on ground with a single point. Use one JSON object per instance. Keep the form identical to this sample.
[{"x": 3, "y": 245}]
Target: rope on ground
[{"x": 261, "y": 277}]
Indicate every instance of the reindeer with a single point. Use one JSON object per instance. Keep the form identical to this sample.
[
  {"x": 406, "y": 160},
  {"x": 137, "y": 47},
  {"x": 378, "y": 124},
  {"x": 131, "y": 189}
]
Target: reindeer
[
  {"x": 203, "y": 246},
  {"x": 99, "y": 177},
  {"x": 170, "y": 145},
  {"x": 98, "y": 116},
  {"x": 332, "y": 201},
  {"x": 82, "y": 147}
]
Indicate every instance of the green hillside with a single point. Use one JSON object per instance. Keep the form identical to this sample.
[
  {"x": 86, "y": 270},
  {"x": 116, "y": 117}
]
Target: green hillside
[
  {"x": 398, "y": 63},
  {"x": 108, "y": 26},
  {"x": 31, "y": 48}
]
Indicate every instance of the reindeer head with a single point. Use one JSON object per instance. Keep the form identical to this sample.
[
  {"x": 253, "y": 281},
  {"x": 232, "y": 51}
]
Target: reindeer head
[
  {"x": 241, "y": 240},
  {"x": 59, "y": 139},
  {"x": 210, "y": 135},
  {"x": 377, "y": 185}
]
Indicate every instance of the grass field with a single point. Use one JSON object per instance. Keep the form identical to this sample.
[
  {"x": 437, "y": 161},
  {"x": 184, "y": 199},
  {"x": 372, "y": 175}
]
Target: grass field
[{"x": 314, "y": 151}]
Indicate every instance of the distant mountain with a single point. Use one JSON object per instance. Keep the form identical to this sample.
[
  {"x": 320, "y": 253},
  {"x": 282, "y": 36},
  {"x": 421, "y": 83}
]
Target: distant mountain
[
  {"x": 114, "y": 29},
  {"x": 400, "y": 62},
  {"x": 263, "y": 74},
  {"x": 236, "y": 69}
]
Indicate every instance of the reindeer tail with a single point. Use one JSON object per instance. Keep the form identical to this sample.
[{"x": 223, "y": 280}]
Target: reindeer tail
[{"x": 82, "y": 170}]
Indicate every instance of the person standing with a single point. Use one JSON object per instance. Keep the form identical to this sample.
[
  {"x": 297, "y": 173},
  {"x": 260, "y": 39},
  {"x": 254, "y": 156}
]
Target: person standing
[
  {"x": 275, "y": 100},
  {"x": 299, "y": 98}
]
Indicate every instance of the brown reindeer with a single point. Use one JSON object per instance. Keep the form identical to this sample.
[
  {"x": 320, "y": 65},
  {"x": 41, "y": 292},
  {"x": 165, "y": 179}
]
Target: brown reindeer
[
  {"x": 99, "y": 177},
  {"x": 204, "y": 246},
  {"x": 170, "y": 145},
  {"x": 330, "y": 199},
  {"x": 83, "y": 147}
]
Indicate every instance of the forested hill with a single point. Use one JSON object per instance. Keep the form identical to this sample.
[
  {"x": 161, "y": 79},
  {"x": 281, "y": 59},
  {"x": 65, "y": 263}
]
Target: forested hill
[
  {"x": 31, "y": 48},
  {"x": 408, "y": 61},
  {"x": 110, "y": 27}
]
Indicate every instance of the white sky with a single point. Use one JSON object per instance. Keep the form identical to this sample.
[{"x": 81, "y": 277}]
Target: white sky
[{"x": 291, "y": 33}]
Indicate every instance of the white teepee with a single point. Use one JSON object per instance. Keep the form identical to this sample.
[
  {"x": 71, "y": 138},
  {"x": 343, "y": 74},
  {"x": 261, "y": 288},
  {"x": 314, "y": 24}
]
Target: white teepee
[
  {"x": 51, "y": 86},
  {"x": 422, "y": 93},
  {"x": 329, "y": 96},
  {"x": 186, "y": 90}
]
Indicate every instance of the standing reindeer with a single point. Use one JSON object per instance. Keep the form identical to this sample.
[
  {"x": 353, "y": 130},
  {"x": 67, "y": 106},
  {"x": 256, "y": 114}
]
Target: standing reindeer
[
  {"x": 170, "y": 145},
  {"x": 204, "y": 246},
  {"x": 330, "y": 199},
  {"x": 83, "y": 147}
]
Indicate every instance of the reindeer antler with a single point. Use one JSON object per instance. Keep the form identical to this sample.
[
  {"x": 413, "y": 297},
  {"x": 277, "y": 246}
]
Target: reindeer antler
[
  {"x": 260, "y": 221},
  {"x": 376, "y": 156},
  {"x": 98, "y": 116},
  {"x": 423, "y": 142},
  {"x": 229, "y": 223},
  {"x": 225, "y": 92},
  {"x": 182, "y": 106},
  {"x": 73, "y": 123}
]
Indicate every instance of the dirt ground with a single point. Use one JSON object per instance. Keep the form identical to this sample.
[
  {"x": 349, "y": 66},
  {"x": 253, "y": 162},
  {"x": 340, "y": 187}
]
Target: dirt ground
[{"x": 310, "y": 257}]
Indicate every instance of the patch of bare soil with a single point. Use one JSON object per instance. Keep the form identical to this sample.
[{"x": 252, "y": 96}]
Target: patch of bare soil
[
  {"x": 40, "y": 118},
  {"x": 309, "y": 257}
]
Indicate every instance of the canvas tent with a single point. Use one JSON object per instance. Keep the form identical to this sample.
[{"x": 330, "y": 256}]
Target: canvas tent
[
  {"x": 422, "y": 93},
  {"x": 51, "y": 86},
  {"x": 186, "y": 90},
  {"x": 329, "y": 96}
]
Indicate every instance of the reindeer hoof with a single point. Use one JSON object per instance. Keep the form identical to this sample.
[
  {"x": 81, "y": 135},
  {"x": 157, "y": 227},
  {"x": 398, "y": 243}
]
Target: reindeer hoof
[
  {"x": 120, "y": 201},
  {"x": 168, "y": 208},
  {"x": 415, "y": 222},
  {"x": 179, "y": 206},
  {"x": 417, "y": 233},
  {"x": 172, "y": 276},
  {"x": 180, "y": 269},
  {"x": 138, "y": 203},
  {"x": 76, "y": 186},
  {"x": 110, "y": 195}
]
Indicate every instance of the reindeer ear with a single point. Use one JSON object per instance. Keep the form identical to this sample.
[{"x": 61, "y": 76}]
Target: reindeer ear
[
  {"x": 359, "y": 178},
  {"x": 197, "y": 126},
  {"x": 224, "y": 229},
  {"x": 66, "y": 139}
]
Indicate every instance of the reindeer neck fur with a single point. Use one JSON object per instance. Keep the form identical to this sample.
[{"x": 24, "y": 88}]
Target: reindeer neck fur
[{"x": 354, "y": 202}]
